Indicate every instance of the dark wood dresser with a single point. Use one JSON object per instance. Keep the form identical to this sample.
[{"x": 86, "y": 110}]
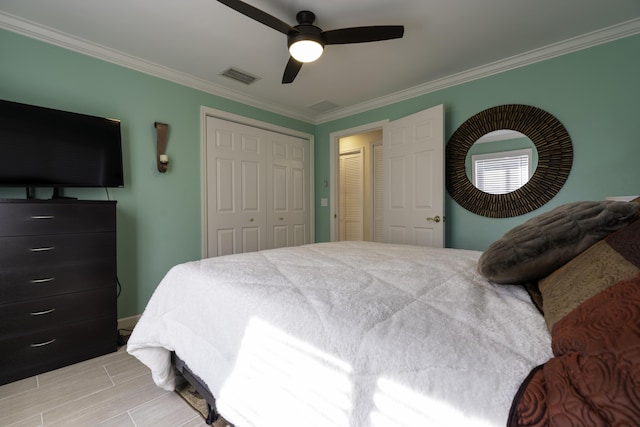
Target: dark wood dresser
[{"x": 57, "y": 284}]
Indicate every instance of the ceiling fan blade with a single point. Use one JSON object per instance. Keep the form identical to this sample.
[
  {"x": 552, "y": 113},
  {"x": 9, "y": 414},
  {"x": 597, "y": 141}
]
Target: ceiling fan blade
[
  {"x": 363, "y": 34},
  {"x": 259, "y": 15},
  {"x": 291, "y": 71}
]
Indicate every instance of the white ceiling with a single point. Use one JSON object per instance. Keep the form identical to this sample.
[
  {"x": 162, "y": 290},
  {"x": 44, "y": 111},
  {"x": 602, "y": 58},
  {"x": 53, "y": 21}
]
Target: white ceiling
[{"x": 193, "y": 41}]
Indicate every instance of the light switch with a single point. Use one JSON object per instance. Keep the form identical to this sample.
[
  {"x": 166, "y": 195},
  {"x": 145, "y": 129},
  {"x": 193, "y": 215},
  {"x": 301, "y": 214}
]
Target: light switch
[{"x": 323, "y": 201}]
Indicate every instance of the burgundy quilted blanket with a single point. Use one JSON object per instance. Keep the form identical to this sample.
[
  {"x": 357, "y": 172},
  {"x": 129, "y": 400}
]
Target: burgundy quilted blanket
[{"x": 594, "y": 378}]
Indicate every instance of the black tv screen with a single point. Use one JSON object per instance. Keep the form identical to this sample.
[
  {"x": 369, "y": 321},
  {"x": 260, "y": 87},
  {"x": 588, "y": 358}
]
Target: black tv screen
[{"x": 43, "y": 147}]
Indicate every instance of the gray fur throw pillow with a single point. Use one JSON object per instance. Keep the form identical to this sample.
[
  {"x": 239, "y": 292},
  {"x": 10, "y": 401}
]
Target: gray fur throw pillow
[{"x": 544, "y": 243}]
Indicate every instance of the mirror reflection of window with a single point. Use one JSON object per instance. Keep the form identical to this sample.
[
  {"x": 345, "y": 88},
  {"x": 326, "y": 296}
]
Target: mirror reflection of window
[
  {"x": 503, "y": 172},
  {"x": 501, "y": 161}
]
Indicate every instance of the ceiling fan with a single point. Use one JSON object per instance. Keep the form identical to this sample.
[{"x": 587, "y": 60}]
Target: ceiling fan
[{"x": 306, "y": 41}]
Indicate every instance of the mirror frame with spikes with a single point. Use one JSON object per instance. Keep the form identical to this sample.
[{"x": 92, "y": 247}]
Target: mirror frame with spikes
[{"x": 555, "y": 159}]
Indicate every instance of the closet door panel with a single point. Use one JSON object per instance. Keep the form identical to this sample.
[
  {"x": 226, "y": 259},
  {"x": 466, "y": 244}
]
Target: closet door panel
[
  {"x": 251, "y": 191},
  {"x": 280, "y": 236},
  {"x": 298, "y": 184},
  {"x": 279, "y": 189},
  {"x": 299, "y": 234},
  {"x": 225, "y": 183},
  {"x": 251, "y": 239},
  {"x": 257, "y": 189},
  {"x": 235, "y": 188},
  {"x": 291, "y": 201},
  {"x": 225, "y": 241}
]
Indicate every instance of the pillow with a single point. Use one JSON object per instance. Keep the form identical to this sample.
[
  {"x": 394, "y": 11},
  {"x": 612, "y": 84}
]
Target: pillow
[
  {"x": 607, "y": 262},
  {"x": 593, "y": 377},
  {"x": 544, "y": 243}
]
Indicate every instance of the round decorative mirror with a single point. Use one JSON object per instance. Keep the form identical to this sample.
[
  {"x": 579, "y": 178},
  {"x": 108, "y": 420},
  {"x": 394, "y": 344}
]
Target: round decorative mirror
[{"x": 554, "y": 160}]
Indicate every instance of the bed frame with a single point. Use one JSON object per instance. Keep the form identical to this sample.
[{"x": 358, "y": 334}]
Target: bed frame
[{"x": 199, "y": 385}]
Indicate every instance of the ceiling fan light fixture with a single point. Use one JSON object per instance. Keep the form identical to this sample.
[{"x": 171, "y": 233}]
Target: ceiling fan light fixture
[
  {"x": 306, "y": 50},
  {"x": 306, "y": 41}
]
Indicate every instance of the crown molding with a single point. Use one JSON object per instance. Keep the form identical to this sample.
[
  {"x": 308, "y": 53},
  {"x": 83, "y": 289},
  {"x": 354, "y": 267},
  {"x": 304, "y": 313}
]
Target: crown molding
[
  {"x": 67, "y": 41},
  {"x": 605, "y": 35}
]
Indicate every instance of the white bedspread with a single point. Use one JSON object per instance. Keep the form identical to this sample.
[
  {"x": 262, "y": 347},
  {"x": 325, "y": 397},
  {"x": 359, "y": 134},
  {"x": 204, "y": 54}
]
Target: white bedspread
[{"x": 345, "y": 334}]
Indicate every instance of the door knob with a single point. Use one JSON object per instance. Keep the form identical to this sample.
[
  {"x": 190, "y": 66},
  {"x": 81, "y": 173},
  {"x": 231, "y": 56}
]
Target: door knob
[{"x": 435, "y": 219}]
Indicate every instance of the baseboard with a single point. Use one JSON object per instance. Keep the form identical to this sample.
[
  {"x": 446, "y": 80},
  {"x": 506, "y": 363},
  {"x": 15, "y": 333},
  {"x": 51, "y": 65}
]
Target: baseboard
[
  {"x": 128, "y": 323},
  {"x": 125, "y": 327}
]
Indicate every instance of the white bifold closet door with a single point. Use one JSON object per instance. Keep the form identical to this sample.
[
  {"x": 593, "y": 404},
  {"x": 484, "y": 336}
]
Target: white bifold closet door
[
  {"x": 257, "y": 189},
  {"x": 287, "y": 191}
]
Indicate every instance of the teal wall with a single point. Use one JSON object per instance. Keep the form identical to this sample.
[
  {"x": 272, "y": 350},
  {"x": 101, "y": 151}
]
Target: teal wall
[
  {"x": 594, "y": 92},
  {"x": 158, "y": 215}
]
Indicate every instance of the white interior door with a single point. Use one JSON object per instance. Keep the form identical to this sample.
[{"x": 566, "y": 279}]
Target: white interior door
[
  {"x": 413, "y": 150},
  {"x": 351, "y": 196}
]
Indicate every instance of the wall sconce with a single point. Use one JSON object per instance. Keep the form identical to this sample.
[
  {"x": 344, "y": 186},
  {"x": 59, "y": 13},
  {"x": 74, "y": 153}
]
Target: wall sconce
[{"x": 161, "y": 156}]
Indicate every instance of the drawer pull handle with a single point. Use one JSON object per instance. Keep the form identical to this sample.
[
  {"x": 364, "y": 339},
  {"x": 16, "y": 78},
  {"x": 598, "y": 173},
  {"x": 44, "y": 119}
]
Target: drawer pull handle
[
  {"x": 42, "y": 344},
  {"x": 43, "y": 217},
  {"x": 40, "y": 313},
  {"x": 44, "y": 249},
  {"x": 45, "y": 280}
]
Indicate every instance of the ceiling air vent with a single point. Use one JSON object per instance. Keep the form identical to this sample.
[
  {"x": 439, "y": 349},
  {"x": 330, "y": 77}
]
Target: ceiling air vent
[
  {"x": 241, "y": 76},
  {"x": 323, "y": 106}
]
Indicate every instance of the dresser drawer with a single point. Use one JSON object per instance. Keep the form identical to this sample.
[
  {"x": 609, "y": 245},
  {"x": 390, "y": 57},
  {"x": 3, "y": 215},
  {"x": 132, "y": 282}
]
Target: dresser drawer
[
  {"x": 39, "y": 282},
  {"x": 24, "y": 356},
  {"x": 54, "y": 249},
  {"x": 29, "y": 317},
  {"x": 57, "y": 284},
  {"x": 46, "y": 217}
]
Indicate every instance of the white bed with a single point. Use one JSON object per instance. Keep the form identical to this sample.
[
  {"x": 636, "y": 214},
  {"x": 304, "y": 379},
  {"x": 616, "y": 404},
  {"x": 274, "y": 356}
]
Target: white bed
[{"x": 346, "y": 334}]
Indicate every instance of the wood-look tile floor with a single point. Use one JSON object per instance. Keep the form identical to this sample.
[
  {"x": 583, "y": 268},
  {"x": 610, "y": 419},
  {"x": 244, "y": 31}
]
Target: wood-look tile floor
[{"x": 112, "y": 390}]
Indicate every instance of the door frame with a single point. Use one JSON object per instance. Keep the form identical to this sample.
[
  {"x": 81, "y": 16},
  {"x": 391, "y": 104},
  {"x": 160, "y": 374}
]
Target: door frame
[
  {"x": 334, "y": 170},
  {"x": 224, "y": 115}
]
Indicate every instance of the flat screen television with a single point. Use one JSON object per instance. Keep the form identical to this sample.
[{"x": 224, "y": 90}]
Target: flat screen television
[{"x": 44, "y": 147}]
